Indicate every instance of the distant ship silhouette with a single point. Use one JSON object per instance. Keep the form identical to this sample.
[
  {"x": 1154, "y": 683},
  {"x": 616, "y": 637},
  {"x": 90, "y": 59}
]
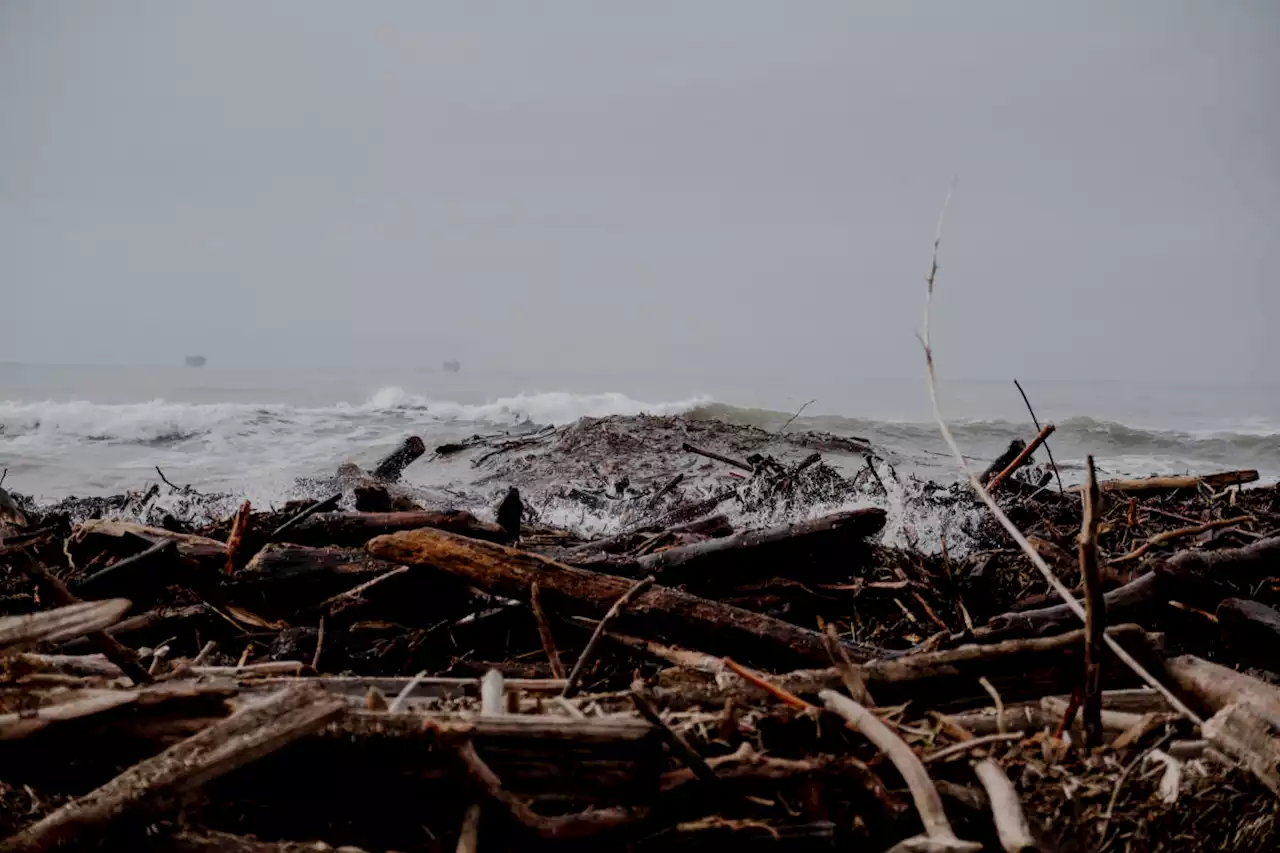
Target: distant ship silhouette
[
  {"x": 195, "y": 360},
  {"x": 452, "y": 366}
]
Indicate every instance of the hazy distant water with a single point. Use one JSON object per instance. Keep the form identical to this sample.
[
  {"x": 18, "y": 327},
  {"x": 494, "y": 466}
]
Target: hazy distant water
[{"x": 95, "y": 430}]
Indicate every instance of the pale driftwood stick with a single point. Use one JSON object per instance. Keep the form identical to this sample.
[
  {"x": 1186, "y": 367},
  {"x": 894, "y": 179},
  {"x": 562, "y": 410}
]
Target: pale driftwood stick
[
  {"x": 210, "y": 841},
  {"x": 319, "y": 506},
  {"x": 119, "y": 654},
  {"x": 61, "y": 623},
  {"x": 544, "y": 632},
  {"x": 1036, "y": 560},
  {"x": 159, "y": 783},
  {"x": 975, "y": 743},
  {"x": 686, "y": 753},
  {"x": 1095, "y": 609},
  {"x": 405, "y": 691},
  {"x": 1240, "y": 732},
  {"x": 995, "y": 697},
  {"x": 937, "y": 828},
  {"x": 205, "y": 653},
  {"x": 710, "y": 454},
  {"x": 1160, "y": 485},
  {"x": 1021, "y": 458},
  {"x": 589, "y": 652},
  {"x": 469, "y": 837},
  {"x": 1011, "y": 823},
  {"x": 1215, "y": 686},
  {"x": 493, "y": 692}
]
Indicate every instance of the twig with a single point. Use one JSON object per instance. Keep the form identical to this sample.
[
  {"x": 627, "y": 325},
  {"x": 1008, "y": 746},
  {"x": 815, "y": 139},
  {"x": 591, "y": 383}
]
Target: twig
[
  {"x": 3, "y": 476},
  {"x": 319, "y": 506},
  {"x": 934, "y": 819},
  {"x": 1180, "y": 532},
  {"x": 403, "y": 695},
  {"x": 711, "y": 454},
  {"x": 158, "y": 548},
  {"x": 995, "y": 697},
  {"x": 356, "y": 591},
  {"x": 166, "y": 480},
  {"x": 1036, "y": 421},
  {"x": 315, "y": 659},
  {"x": 1036, "y": 560},
  {"x": 1095, "y": 614},
  {"x": 1011, "y": 823},
  {"x": 544, "y": 632},
  {"x": 584, "y": 659},
  {"x": 674, "y": 739},
  {"x": 849, "y": 674},
  {"x": 1115, "y": 792},
  {"x": 238, "y": 526},
  {"x": 772, "y": 689},
  {"x": 973, "y": 743},
  {"x": 1022, "y": 457},
  {"x": 783, "y": 428}
]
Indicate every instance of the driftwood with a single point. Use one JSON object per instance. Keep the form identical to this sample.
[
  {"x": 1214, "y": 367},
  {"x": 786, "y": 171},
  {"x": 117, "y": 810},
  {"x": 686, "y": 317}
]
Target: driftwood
[
  {"x": 679, "y": 616},
  {"x": 1164, "y": 485},
  {"x": 1214, "y": 687},
  {"x": 1004, "y": 460},
  {"x": 1011, "y": 824},
  {"x": 351, "y": 529},
  {"x": 761, "y": 550},
  {"x": 1255, "y": 623},
  {"x": 282, "y": 562},
  {"x": 393, "y": 464},
  {"x": 1021, "y": 459},
  {"x": 123, "y": 538},
  {"x": 1255, "y": 560},
  {"x": 160, "y": 783},
  {"x": 62, "y": 623}
]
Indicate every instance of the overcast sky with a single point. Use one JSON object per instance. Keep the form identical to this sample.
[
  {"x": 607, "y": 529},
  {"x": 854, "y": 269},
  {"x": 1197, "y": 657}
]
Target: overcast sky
[{"x": 730, "y": 184}]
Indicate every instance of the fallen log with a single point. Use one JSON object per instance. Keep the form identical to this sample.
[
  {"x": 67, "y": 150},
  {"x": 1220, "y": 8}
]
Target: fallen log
[
  {"x": 762, "y": 550},
  {"x": 62, "y": 623},
  {"x": 1162, "y": 485},
  {"x": 158, "y": 784},
  {"x": 1214, "y": 687},
  {"x": 284, "y": 562},
  {"x": 1256, "y": 624},
  {"x": 1229, "y": 564},
  {"x": 1004, "y": 460},
  {"x": 393, "y": 464},
  {"x": 353, "y": 529},
  {"x": 660, "y": 612}
]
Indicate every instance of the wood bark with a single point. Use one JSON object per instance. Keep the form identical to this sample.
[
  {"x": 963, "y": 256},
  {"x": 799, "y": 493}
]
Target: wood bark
[
  {"x": 353, "y": 529},
  {"x": 283, "y": 562},
  {"x": 160, "y": 783},
  {"x": 62, "y": 623},
  {"x": 393, "y": 464},
  {"x": 123, "y": 539},
  {"x": 756, "y": 551},
  {"x": 1229, "y": 564},
  {"x": 1255, "y": 624},
  {"x": 1214, "y": 687},
  {"x": 660, "y": 612},
  {"x": 1163, "y": 485}
]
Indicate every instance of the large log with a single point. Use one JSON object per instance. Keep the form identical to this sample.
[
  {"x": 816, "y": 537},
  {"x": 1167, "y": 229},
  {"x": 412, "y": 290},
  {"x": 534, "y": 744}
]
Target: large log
[
  {"x": 1255, "y": 624},
  {"x": 1215, "y": 687},
  {"x": 285, "y": 562},
  {"x": 1163, "y": 485},
  {"x": 1227, "y": 565},
  {"x": 660, "y": 613},
  {"x": 353, "y": 529},
  {"x": 756, "y": 551},
  {"x": 393, "y": 464}
]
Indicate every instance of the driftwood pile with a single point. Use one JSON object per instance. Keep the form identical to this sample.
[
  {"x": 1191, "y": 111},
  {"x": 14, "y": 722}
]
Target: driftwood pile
[{"x": 313, "y": 678}]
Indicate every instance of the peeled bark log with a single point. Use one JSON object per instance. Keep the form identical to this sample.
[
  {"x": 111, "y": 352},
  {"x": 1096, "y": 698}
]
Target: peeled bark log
[
  {"x": 1163, "y": 485},
  {"x": 394, "y": 463},
  {"x": 658, "y": 613},
  {"x": 757, "y": 551},
  {"x": 353, "y": 529},
  {"x": 1214, "y": 687}
]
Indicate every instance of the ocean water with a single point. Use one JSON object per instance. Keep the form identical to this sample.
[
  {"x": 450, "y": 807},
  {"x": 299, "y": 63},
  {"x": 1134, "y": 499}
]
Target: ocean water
[{"x": 85, "y": 430}]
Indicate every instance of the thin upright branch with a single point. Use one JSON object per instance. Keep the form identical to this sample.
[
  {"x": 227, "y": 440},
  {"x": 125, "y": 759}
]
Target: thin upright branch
[
  {"x": 544, "y": 632},
  {"x": 1036, "y": 421},
  {"x": 1036, "y": 560},
  {"x": 579, "y": 668},
  {"x": 1095, "y": 615}
]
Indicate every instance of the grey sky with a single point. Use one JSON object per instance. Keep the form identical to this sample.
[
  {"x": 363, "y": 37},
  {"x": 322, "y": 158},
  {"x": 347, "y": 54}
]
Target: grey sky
[{"x": 730, "y": 184}]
